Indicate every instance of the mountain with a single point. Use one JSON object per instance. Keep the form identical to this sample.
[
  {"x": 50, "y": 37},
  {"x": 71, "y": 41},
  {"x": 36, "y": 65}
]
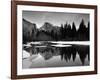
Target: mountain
[
  {"x": 49, "y": 27},
  {"x": 29, "y": 30}
]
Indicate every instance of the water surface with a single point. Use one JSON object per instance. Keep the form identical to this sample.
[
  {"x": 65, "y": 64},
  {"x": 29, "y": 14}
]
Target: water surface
[{"x": 50, "y": 54}]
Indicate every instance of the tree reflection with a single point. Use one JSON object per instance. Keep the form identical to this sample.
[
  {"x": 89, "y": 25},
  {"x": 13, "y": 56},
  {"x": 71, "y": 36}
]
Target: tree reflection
[
  {"x": 66, "y": 53},
  {"x": 81, "y": 50}
]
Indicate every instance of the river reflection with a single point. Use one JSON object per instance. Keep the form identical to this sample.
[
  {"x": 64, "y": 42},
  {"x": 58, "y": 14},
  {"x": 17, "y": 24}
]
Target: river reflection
[{"x": 56, "y": 55}]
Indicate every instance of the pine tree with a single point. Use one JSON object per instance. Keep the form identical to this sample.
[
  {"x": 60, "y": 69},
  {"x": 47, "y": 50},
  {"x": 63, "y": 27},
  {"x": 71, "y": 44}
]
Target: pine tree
[
  {"x": 82, "y": 31},
  {"x": 82, "y": 27},
  {"x": 61, "y": 32},
  {"x": 69, "y": 30},
  {"x": 88, "y": 31},
  {"x": 74, "y": 33}
]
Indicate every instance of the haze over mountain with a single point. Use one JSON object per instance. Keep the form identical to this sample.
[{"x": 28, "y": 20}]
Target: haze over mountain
[{"x": 55, "y": 18}]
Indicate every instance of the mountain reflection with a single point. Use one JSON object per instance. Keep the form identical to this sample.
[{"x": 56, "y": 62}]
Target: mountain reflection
[{"x": 66, "y": 53}]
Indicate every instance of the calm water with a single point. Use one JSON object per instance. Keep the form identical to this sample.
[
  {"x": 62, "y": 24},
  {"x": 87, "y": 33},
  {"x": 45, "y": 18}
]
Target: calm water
[{"x": 47, "y": 54}]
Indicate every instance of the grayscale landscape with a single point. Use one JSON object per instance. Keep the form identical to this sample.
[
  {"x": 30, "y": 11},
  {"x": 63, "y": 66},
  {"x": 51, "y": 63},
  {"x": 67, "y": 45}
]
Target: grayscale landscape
[{"x": 55, "y": 39}]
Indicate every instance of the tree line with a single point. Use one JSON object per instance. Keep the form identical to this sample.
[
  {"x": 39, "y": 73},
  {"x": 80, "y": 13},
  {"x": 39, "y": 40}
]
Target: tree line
[
  {"x": 70, "y": 33},
  {"x": 66, "y": 32}
]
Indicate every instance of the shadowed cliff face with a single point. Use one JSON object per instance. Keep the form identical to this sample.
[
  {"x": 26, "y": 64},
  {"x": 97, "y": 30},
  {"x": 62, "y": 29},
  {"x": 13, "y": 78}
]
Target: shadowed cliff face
[
  {"x": 29, "y": 31},
  {"x": 68, "y": 54}
]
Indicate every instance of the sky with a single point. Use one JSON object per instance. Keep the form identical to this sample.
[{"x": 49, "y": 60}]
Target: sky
[{"x": 55, "y": 18}]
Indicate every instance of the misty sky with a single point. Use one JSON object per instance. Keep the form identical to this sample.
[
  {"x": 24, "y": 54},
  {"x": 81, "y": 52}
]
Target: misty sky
[{"x": 55, "y": 18}]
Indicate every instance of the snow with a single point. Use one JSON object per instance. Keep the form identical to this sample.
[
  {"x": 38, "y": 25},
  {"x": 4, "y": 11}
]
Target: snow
[
  {"x": 35, "y": 42},
  {"x": 60, "y": 45},
  {"x": 27, "y": 45},
  {"x": 25, "y": 54},
  {"x": 72, "y": 42}
]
